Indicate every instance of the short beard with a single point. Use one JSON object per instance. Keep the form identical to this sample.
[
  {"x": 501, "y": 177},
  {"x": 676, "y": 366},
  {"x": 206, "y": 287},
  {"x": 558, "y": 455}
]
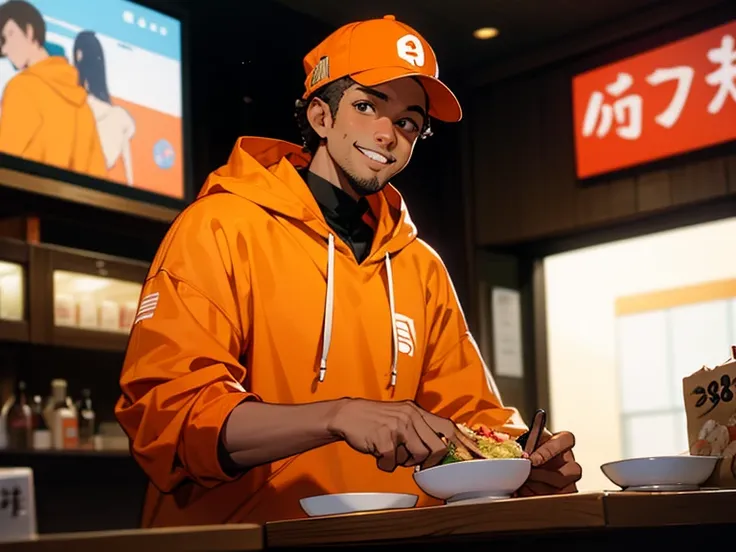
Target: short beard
[{"x": 363, "y": 186}]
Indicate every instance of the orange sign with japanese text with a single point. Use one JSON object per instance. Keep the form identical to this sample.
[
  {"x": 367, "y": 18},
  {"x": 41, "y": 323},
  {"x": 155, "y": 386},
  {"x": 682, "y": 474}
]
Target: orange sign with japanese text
[{"x": 667, "y": 101}]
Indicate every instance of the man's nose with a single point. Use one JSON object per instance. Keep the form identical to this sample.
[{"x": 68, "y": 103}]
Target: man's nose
[{"x": 385, "y": 134}]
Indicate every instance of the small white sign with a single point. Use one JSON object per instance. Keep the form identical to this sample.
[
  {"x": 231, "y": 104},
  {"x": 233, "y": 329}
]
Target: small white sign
[
  {"x": 507, "y": 340},
  {"x": 17, "y": 505}
]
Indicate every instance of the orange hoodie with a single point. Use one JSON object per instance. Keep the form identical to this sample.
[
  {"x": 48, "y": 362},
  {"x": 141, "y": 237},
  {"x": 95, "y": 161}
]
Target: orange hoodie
[
  {"x": 251, "y": 294},
  {"x": 45, "y": 118}
]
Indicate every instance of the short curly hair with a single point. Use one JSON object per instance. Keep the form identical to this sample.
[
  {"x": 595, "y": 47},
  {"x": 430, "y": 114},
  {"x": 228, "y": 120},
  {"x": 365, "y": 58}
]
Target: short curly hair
[{"x": 331, "y": 94}]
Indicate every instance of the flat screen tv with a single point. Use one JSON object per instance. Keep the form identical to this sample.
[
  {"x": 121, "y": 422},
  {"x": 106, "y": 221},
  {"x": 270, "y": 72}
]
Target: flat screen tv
[{"x": 92, "y": 94}]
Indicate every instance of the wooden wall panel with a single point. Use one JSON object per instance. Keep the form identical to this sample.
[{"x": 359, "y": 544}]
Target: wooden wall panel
[
  {"x": 623, "y": 198},
  {"x": 653, "y": 191},
  {"x": 528, "y": 149},
  {"x": 699, "y": 181},
  {"x": 525, "y": 187},
  {"x": 497, "y": 205},
  {"x": 556, "y": 204},
  {"x": 593, "y": 204}
]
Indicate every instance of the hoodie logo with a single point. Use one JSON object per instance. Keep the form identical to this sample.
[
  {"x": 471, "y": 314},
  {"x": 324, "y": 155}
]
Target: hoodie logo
[
  {"x": 147, "y": 307},
  {"x": 405, "y": 334}
]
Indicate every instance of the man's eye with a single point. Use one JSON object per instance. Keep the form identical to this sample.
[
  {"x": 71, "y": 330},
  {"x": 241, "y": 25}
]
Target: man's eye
[
  {"x": 408, "y": 125},
  {"x": 364, "y": 107}
]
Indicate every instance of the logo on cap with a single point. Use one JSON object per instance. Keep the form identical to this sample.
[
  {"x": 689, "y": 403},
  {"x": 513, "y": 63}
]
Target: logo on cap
[
  {"x": 321, "y": 71},
  {"x": 410, "y": 49}
]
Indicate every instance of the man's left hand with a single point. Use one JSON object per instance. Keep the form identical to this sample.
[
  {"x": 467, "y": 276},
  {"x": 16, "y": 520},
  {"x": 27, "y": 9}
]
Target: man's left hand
[{"x": 554, "y": 469}]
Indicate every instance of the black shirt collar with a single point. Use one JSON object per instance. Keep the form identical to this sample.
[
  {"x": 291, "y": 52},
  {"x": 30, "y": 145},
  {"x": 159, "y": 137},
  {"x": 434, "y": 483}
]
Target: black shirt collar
[
  {"x": 343, "y": 214},
  {"x": 334, "y": 200}
]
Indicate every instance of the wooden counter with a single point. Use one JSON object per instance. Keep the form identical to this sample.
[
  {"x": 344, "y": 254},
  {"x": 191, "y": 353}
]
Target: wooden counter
[
  {"x": 598, "y": 520},
  {"x": 216, "y": 538}
]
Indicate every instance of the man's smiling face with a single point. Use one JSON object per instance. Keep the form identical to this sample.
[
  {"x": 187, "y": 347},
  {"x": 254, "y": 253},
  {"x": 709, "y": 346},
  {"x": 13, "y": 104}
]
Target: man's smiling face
[{"x": 374, "y": 132}]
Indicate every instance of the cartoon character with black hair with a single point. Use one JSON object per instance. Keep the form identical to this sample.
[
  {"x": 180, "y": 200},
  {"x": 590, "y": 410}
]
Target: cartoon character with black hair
[{"x": 115, "y": 125}]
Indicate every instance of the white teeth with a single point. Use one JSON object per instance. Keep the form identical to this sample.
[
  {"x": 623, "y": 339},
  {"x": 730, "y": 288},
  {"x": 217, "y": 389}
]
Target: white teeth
[{"x": 373, "y": 155}]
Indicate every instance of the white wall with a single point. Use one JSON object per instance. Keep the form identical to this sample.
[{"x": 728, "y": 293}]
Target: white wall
[{"x": 582, "y": 287}]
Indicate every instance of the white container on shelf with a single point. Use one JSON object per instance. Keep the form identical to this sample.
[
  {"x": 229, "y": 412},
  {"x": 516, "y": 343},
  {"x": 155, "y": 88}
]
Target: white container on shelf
[
  {"x": 127, "y": 315},
  {"x": 109, "y": 316},
  {"x": 65, "y": 310},
  {"x": 65, "y": 431},
  {"x": 87, "y": 313}
]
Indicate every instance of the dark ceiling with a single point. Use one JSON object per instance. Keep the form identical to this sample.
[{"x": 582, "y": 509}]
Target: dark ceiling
[{"x": 448, "y": 25}]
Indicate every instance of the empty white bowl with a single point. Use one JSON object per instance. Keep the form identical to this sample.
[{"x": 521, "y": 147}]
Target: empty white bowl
[
  {"x": 661, "y": 473},
  {"x": 345, "y": 503},
  {"x": 474, "y": 480}
]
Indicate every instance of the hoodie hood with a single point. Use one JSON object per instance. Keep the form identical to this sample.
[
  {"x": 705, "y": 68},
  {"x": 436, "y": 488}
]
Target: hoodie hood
[
  {"x": 61, "y": 77},
  {"x": 264, "y": 171}
]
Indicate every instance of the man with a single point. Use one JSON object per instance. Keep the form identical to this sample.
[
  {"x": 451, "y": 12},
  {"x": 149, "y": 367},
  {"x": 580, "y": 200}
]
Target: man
[
  {"x": 294, "y": 336},
  {"x": 44, "y": 115}
]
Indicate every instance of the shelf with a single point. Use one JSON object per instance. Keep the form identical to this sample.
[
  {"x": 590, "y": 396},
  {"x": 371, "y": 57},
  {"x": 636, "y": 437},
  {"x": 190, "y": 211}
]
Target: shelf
[
  {"x": 88, "y": 339},
  {"x": 51, "y": 295},
  {"x": 94, "y": 303},
  {"x": 14, "y": 331},
  {"x": 80, "y": 453}
]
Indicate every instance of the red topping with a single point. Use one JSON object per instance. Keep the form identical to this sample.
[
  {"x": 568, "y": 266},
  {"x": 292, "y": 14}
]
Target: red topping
[{"x": 498, "y": 437}]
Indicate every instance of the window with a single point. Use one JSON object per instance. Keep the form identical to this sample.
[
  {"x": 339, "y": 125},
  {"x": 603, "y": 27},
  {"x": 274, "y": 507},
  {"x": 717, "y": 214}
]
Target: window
[{"x": 656, "y": 349}]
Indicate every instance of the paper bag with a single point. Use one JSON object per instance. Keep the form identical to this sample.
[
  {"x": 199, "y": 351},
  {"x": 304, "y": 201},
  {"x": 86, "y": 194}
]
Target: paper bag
[{"x": 710, "y": 407}]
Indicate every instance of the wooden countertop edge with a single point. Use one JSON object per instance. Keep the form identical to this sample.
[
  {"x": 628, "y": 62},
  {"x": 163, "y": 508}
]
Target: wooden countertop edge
[
  {"x": 569, "y": 512},
  {"x": 214, "y": 538},
  {"x": 630, "y": 509},
  {"x": 586, "y": 510}
]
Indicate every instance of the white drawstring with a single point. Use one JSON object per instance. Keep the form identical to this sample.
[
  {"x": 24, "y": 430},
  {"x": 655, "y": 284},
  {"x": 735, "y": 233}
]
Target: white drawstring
[
  {"x": 329, "y": 304},
  {"x": 329, "y": 307},
  {"x": 394, "y": 337}
]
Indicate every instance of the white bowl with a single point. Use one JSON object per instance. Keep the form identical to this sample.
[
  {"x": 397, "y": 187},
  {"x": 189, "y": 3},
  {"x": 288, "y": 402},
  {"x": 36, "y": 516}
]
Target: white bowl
[
  {"x": 345, "y": 503},
  {"x": 661, "y": 473},
  {"x": 474, "y": 480}
]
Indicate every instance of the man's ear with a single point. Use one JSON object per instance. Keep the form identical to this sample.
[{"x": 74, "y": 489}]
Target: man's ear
[{"x": 319, "y": 117}]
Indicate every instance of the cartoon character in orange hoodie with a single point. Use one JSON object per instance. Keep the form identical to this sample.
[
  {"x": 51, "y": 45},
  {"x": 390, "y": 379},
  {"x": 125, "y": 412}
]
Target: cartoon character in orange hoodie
[
  {"x": 44, "y": 115},
  {"x": 294, "y": 336}
]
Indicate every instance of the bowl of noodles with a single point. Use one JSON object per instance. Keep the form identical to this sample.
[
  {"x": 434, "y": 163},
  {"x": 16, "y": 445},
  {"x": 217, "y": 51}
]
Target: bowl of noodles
[{"x": 481, "y": 465}]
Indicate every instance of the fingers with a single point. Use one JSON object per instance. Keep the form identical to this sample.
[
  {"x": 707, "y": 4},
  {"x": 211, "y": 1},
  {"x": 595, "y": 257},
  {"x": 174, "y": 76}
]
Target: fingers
[
  {"x": 545, "y": 436},
  {"x": 560, "y": 478},
  {"x": 385, "y": 450},
  {"x": 402, "y": 456},
  {"x": 400, "y": 443},
  {"x": 439, "y": 425},
  {"x": 431, "y": 429},
  {"x": 436, "y": 448},
  {"x": 413, "y": 440},
  {"x": 555, "y": 446},
  {"x": 423, "y": 443},
  {"x": 418, "y": 451},
  {"x": 535, "y": 488}
]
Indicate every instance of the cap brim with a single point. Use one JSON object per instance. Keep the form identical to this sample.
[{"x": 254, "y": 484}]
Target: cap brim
[{"x": 443, "y": 104}]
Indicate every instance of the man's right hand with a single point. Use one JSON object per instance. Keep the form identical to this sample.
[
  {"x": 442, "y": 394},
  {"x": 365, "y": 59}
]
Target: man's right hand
[{"x": 396, "y": 433}]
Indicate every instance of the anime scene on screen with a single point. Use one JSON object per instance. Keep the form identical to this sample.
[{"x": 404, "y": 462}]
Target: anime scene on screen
[{"x": 94, "y": 87}]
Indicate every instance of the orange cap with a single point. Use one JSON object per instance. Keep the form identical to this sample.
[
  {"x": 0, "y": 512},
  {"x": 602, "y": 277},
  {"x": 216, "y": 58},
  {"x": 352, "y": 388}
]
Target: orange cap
[{"x": 377, "y": 51}]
